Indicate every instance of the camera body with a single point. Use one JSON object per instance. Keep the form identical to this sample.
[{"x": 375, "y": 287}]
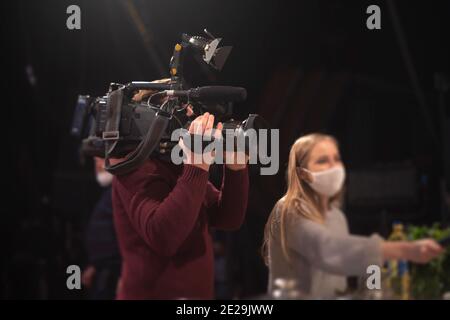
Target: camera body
[{"x": 116, "y": 126}]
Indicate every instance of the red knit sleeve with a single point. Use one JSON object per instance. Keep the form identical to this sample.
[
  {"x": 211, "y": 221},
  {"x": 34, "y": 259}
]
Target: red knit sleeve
[
  {"x": 163, "y": 216},
  {"x": 228, "y": 206}
]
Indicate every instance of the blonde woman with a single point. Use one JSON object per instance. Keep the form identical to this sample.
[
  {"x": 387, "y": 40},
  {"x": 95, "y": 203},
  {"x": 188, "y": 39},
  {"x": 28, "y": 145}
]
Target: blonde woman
[{"x": 306, "y": 236}]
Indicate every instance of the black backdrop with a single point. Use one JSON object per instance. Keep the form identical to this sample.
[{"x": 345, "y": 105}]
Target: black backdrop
[{"x": 307, "y": 66}]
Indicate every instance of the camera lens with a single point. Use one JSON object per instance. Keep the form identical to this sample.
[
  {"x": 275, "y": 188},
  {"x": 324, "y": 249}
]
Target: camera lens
[{"x": 246, "y": 131}]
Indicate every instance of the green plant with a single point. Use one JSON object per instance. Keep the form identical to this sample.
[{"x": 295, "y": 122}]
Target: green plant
[{"x": 430, "y": 281}]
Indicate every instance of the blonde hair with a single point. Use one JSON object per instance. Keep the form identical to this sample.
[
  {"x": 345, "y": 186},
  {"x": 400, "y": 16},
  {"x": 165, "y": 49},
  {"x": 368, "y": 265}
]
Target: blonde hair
[{"x": 299, "y": 199}]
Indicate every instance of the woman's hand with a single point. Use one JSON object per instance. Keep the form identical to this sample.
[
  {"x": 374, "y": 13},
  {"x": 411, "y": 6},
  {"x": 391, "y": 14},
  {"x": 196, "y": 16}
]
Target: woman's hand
[
  {"x": 422, "y": 251},
  {"x": 419, "y": 251}
]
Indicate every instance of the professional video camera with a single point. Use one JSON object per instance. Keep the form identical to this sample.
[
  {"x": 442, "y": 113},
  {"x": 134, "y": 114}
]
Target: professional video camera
[{"x": 115, "y": 126}]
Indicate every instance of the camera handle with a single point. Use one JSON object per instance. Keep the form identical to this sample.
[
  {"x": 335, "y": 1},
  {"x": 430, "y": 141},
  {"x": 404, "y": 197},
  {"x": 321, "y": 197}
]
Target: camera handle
[{"x": 144, "y": 149}]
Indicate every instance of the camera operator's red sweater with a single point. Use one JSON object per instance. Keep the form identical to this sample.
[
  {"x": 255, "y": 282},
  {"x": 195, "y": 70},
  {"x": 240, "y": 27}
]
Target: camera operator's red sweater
[{"x": 162, "y": 215}]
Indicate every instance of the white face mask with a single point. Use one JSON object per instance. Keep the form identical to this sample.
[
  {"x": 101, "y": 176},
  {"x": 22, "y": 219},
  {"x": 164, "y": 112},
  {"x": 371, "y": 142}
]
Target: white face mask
[{"x": 328, "y": 182}]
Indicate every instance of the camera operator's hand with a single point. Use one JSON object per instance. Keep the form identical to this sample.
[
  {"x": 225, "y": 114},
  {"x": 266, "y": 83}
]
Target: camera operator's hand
[
  {"x": 141, "y": 94},
  {"x": 202, "y": 126}
]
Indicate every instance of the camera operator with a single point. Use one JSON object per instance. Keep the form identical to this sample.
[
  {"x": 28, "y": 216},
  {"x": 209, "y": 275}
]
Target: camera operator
[{"x": 162, "y": 215}]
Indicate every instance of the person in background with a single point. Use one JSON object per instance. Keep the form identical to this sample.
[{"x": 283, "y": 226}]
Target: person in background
[
  {"x": 102, "y": 274},
  {"x": 307, "y": 237}
]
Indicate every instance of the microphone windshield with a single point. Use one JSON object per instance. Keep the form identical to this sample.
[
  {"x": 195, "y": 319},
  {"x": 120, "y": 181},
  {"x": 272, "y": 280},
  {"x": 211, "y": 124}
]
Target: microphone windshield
[{"x": 219, "y": 94}]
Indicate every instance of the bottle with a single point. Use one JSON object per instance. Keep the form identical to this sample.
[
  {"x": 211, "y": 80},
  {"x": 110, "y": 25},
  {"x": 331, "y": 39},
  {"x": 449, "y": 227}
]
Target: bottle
[{"x": 398, "y": 271}]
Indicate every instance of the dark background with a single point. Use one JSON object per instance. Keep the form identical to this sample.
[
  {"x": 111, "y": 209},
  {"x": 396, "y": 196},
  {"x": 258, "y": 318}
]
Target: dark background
[{"x": 307, "y": 65}]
